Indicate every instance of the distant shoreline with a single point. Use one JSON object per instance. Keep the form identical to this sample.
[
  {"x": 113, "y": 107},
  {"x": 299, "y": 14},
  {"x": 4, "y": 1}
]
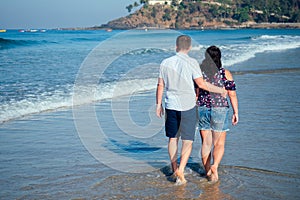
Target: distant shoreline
[
  {"x": 213, "y": 27},
  {"x": 242, "y": 26}
]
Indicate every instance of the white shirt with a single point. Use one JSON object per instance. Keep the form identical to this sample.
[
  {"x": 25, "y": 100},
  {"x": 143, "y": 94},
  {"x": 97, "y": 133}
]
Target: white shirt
[{"x": 178, "y": 73}]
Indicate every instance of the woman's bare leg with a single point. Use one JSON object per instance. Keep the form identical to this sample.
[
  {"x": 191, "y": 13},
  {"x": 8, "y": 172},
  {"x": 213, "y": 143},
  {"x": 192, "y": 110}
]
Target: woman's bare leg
[
  {"x": 218, "y": 152},
  {"x": 206, "y": 138}
]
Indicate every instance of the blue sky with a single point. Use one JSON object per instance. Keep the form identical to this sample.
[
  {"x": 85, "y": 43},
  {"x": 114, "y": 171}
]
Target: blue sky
[{"x": 25, "y": 14}]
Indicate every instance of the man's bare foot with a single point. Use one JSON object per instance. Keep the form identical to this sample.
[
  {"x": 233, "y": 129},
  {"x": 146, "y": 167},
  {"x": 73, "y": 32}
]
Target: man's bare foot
[
  {"x": 173, "y": 177},
  {"x": 180, "y": 178},
  {"x": 212, "y": 174}
]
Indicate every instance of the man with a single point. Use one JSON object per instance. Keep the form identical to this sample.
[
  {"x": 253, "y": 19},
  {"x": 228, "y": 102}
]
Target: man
[{"x": 177, "y": 75}]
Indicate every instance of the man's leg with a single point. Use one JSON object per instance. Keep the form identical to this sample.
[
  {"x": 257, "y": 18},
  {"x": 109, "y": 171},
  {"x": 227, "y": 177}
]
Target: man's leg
[
  {"x": 185, "y": 154},
  {"x": 219, "y": 149},
  {"x": 172, "y": 126},
  {"x": 206, "y": 138},
  {"x": 173, "y": 150},
  {"x": 187, "y": 129}
]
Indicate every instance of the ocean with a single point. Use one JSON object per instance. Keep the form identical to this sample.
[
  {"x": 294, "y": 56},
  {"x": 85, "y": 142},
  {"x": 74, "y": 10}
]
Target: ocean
[{"x": 77, "y": 115}]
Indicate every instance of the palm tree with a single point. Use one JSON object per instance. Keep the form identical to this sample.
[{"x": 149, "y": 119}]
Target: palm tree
[
  {"x": 143, "y": 1},
  {"x": 129, "y": 8}
]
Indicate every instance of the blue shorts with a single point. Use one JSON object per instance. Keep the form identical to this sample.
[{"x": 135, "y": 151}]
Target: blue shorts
[
  {"x": 181, "y": 124},
  {"x": 216, "y": 119}
]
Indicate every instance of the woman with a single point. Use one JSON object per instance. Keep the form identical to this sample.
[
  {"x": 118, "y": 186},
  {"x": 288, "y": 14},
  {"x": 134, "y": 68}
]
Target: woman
[{"x": 213, "y": 111}]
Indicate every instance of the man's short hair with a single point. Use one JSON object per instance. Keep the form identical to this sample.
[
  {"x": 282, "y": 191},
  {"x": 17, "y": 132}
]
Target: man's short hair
[{"x": 183, "y": 42}]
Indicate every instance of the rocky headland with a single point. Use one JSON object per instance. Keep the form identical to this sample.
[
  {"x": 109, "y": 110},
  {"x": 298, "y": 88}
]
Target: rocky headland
[{"x": 200, "y": 15}]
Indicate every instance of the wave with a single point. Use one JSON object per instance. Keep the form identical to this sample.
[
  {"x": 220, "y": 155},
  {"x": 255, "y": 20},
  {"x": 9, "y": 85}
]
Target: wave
[
  {"x": 269, "y": 37},
  {"x": 81, "y": 39},
  {"x": 149, "y": 51},
  {"x": 63, "y": 99},
  {"x": 247, "y": 47},
  {"x": 241, "y": 38},
  {"x": 237, "y": 53},
  {"x": 84, "y": 39},
  {"x": 10, "y": 43},
  {"x": 198, "y": 47},
  {"x": 5, "y": 43}
]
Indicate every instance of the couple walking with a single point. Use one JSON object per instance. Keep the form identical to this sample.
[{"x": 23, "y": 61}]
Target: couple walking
[{"x": 195, "y": 94}]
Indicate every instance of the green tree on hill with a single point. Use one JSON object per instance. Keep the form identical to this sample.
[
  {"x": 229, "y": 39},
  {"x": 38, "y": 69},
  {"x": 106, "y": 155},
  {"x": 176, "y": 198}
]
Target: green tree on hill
[
  {"x": 242, "y": 14},
  {"x": 226, "y": 11},
  {"x": 129, "y": 8}
]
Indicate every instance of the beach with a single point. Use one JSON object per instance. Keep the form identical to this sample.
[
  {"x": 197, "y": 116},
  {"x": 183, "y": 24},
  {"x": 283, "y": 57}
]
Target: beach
[{"x": 55, "y": 144}]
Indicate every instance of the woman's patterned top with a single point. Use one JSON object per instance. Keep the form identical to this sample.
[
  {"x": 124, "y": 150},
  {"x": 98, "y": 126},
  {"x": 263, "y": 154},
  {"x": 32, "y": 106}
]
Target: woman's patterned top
[{"x": 208, "y": 99}]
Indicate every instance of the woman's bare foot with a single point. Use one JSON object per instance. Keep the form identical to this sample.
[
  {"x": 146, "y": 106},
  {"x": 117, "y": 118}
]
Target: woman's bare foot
[
  {"x": 180, "y": 178},
  {"x": 207, "y": 167},
  {"x": 212, "y": 174}
]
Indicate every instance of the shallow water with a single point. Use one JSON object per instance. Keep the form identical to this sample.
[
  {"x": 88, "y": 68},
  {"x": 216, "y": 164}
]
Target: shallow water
[{"x": 42, "y": 155}]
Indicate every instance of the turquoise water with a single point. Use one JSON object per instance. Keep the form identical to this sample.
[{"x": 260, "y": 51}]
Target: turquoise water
[
  {"x": 38, "y": 70},
  {"x": 49, "y": 143}
]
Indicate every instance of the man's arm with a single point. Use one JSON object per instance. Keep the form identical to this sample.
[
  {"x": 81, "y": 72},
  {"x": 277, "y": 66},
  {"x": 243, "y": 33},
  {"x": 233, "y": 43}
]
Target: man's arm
[
  {"x": 159, "y": 95},
  {"x": 210, "y": 87}
]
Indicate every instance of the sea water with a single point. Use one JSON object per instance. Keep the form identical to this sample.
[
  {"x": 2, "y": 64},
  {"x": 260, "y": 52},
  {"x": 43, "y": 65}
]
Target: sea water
[
  {"x": 54, "y": 85},
  {"x": 38, "y": 70}
]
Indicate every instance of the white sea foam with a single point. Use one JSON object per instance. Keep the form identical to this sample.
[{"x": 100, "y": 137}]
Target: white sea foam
[
  {"x": 236, "y": 53},
  {"x": 270, "y": 37},
  {"x": 60, "y": 99},
  {"x": 233, "y": 53},
  {"x": 34, "y": 101},
  {"x": 198, "y": 47}
]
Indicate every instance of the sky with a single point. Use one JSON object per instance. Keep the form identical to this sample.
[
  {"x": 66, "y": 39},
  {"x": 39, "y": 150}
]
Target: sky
[{"x": 26, "y": 14}]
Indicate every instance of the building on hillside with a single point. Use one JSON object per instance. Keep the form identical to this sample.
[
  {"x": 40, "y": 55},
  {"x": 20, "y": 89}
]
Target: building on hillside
[{"x": 153, "y": 2}]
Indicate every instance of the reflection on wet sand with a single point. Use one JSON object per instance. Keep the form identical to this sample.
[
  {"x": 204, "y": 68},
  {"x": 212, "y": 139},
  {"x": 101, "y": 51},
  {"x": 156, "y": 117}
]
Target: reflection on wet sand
[
  {"x": 159, "y": 185},
  {"x": 212, "y": 191},
  {"x": 234, "y": 183}
]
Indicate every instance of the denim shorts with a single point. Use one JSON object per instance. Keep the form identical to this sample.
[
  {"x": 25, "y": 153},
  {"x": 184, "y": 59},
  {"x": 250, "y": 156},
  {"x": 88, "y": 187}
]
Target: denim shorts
[
  {"x": 216, "y": 119},
  {"x": 181, "y": 124}
]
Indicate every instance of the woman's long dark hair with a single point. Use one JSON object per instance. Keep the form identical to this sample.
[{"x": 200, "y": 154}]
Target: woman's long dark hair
[{"x": 212, "y": 61}]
